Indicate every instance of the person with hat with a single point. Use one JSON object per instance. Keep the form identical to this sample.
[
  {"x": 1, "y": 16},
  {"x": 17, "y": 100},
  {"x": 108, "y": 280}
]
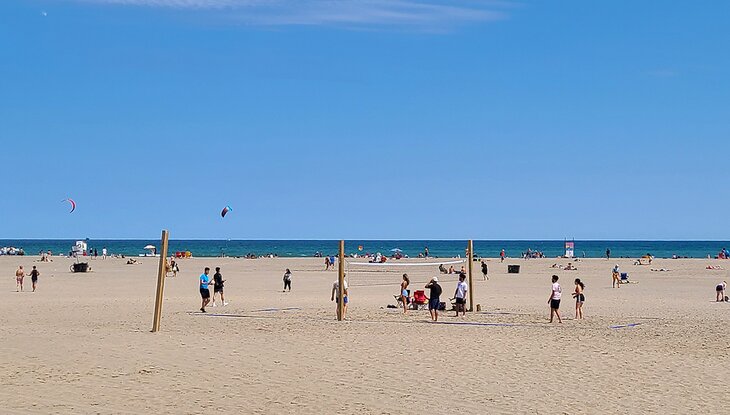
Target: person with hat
[{"x": 434, "y": 300}]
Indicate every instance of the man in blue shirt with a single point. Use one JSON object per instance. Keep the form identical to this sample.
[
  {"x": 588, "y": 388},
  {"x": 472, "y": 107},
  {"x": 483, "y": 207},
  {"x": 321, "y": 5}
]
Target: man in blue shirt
[{"x": 204, "y": 291}]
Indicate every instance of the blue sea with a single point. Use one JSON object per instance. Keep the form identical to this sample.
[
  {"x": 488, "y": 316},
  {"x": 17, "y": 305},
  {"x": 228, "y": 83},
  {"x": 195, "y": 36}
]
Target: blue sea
[{"x": 213, "y": 248}]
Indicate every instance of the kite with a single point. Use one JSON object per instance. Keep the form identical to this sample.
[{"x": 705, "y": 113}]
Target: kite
[
  {"x": 73, "y": 204},
  {"x": 225, "y": 211}
]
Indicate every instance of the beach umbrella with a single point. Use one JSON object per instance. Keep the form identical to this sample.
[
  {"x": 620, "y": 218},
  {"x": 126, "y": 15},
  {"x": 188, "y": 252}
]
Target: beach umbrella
[
  {"x": 149, "y": 247},
  {"x": 395, "y": 250}
]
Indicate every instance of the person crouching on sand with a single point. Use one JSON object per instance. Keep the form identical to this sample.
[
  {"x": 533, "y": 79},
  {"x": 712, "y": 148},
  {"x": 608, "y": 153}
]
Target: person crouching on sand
[
  {"x": 719, "y": 290},
  {"x": 204, "y": 291},
  {"x": 555, "y": 293}
]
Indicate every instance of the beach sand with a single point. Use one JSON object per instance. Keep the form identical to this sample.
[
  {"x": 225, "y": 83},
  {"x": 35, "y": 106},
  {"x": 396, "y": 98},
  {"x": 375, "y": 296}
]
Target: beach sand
[{"x": 82, "y": 342}]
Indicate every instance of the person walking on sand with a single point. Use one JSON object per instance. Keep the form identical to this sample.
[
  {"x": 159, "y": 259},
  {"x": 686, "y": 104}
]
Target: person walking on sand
[
  {"x": 218, "y": 286},
  {"x": 555, "y": 293},
  {"x": 719, "y": 290},
  {"x": 287, "y": 280},
  {"x": 608, "y": 254},
  {"x": 485, "y": 270},
  {"x": 34, "y": 274},
  {"x": 19, "y": 276},
  {"x": 434, "y": 298},
  {"x": 501, "y": 256},
  {"x": 460, "y": 295},
  {"x": 336, "y": 298},
  {"x": 103, "y": 253},
  {"x": 616, "y": 275},
  {"x": 404, "y": 292},
  {"x": 204, "y": 290},
  {"x": 326, "y": 263},
  {"x": 579, "y": 298}
]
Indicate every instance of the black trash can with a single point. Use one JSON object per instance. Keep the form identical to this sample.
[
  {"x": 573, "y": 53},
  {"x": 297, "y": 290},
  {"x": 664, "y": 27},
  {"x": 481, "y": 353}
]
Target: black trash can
[
  {"x": 513, "y": 269},
  {"x": 80, "y": 267}
]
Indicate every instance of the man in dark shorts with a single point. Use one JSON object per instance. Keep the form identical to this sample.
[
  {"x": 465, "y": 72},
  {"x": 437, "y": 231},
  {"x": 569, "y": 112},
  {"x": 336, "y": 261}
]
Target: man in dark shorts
[
  {"x": 218, "y": 285},
  {"x": 554, "y": 299},
  {"x": 204, "y": 291},
  {"x": 34, "y": 277},
  {"x": 460, "y": 295},
  {"x": 434, "y": 300}
]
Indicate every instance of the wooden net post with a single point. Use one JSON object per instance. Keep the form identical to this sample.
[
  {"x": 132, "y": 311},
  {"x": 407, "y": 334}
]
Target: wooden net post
[
  {"x": 161, "y": 272},
  {"x": 470, "y": 258},
  {"x": 341, "y": 282}
]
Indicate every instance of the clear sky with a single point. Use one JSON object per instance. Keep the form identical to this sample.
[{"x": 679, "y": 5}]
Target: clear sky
[{"x": 399, "y": 119}]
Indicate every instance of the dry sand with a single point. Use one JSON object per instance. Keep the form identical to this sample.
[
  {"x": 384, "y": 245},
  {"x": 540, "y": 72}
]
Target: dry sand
[{"x": 81, "y": 344}]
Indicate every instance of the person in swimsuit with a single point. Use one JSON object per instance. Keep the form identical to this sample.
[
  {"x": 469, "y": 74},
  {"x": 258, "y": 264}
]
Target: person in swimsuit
[
  {"x": 34, "y": 277},
  {"x": 579, "y": 298},
  {"x": 404, "y": 292},
  {"x": 719, "y": 290},
  {"x": 501, "y": 256},
  {"x": 287, "y": 280},
  {"x": 555, "y": 293},
  {"x": 19, "y": 276},
  {"x": 616, "y": 277},
  {"x": 336, "y": 297}
]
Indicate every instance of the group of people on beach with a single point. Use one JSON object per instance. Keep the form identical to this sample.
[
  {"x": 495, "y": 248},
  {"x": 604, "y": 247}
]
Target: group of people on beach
[
  {"x": 20, "y": 277},
  {"x": 217, "y": 284},
  {"x": 434, "y": 298},
  {"x": 556, "y": 293}
]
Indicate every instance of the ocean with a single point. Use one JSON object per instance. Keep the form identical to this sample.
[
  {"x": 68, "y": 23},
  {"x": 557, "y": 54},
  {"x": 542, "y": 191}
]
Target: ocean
[{"x": 444, "y": 249}]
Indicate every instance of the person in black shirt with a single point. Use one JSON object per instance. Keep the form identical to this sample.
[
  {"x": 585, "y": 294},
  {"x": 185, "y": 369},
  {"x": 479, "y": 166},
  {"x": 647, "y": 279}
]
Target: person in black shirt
[
  {"x": 34, "y": 277},
  {"x": 218, "y": 285},
  {"x": 434, "y": 298},
  {"x": 485, "y": 270}
]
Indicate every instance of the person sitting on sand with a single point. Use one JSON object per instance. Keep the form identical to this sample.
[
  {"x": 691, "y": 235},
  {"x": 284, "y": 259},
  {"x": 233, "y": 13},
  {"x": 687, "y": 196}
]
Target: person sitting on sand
[
  {"x": 720, "y": 291},
  {"x": 579, "y": 298},
  {"x": 451, "y": 269},
  {"x": 442, "y": 269},
  {"x": 616, "y": 282},
  {"x": 570, "y": 267}
]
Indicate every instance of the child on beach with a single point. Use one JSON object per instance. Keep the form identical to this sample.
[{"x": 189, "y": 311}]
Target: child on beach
[
  {"x": 579, "y": 298},
  {"x": 719, "y": 290},
  {"x": 404, "y": 292},
  {"x": 554, "y": 300},
  {"x": 19, "y": 276},
  {"x": 287, "y": 280}
]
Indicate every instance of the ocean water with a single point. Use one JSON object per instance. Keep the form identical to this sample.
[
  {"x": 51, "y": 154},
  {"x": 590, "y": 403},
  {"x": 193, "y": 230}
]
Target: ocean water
[{"x": 212, "y": 248}]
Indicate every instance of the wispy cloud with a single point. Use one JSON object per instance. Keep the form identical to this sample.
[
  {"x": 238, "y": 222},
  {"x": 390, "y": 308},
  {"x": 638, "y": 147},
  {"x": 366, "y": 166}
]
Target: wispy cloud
[{"x": 419, "y": 14}]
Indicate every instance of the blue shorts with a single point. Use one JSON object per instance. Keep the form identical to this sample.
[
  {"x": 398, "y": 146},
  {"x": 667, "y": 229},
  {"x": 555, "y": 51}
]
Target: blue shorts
[
  {"x": 433, "y": 303},
  {"x": 337, "y": 300}
]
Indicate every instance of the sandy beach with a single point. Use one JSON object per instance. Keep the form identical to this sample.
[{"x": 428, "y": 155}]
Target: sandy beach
[{"x": 82, "y": 342}]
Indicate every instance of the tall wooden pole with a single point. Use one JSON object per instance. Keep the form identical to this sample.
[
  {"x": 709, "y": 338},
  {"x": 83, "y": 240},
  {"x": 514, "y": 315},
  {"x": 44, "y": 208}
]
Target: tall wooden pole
[
  {"x": 470, "y": 258},
  {"x": 341, "y": 282},
  {"x": 161, "y": 272}
]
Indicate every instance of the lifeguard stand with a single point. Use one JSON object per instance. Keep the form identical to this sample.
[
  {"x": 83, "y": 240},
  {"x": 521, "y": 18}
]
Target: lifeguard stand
[{"x": 569, "y": 249}]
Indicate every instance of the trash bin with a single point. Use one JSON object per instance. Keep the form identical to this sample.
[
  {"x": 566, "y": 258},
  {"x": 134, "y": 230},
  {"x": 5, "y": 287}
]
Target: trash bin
[
  {"x": 513, "y": 269},
  {"x": 80, "y": 267}
]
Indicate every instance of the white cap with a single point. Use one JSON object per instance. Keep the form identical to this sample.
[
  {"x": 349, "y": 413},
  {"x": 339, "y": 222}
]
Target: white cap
[{"x": 435, "y": 279}]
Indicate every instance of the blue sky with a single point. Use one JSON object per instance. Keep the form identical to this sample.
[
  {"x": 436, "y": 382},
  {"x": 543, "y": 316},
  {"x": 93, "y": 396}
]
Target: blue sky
[{"x": 371, "y": 119}]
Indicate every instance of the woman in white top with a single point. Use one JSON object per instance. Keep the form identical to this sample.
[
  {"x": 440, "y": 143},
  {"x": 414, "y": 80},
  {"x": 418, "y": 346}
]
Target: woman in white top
[{"x": 555, "y": 293}]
